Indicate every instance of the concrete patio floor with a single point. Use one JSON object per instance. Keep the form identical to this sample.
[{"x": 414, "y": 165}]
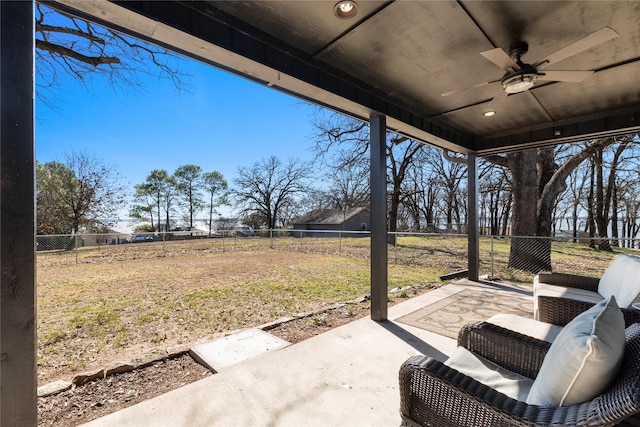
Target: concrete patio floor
[{"x": 345, "y": 377}]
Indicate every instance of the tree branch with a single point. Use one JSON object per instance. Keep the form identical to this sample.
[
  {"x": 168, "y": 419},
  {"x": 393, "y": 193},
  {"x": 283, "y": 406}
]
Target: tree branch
[
  {"x": 42, "y": 28},
  {"x": 66, "y": 52}
]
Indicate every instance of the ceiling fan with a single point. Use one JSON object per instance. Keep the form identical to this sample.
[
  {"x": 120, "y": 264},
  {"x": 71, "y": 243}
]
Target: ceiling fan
[{"x": 520, "y": 76}]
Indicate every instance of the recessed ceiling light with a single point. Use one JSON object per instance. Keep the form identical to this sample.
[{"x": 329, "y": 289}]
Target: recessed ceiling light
[
  {"x": 345, "y": 9},
  {"x": 489, "y": 113}
]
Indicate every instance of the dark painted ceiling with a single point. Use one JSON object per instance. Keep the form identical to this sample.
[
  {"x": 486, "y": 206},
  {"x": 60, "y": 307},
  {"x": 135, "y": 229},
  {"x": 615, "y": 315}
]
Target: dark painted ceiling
[{"x": 397, "y": 58}]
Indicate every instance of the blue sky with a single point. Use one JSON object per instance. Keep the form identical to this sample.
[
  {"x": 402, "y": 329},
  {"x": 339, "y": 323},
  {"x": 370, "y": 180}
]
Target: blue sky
[{"x": 221, "y": 123}]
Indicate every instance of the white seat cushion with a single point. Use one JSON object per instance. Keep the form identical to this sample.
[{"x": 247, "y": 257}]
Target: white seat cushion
[
  {"x": 547, "y": 290},
  {"x": 621, "y": 279},
  {"x": 584, "y": 358},
  {"x": 488, "y": 373},
  {"x": 526, "y": 326}
]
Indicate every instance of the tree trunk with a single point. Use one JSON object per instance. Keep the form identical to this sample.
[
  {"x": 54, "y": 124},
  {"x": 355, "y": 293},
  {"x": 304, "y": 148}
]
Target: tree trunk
[
  {"x": 614, "y": 216},
  {"x": 529, "y": 254},
  {"x": 590, "y": 207},
  {"x": 506, "y": 214},
  {"x": 574, "y": 220},
  {"x": 159, "y": 215},
  {"x": 493, "y": 214},
  {"x": 393, "y": 216},
  {"x": 611, "y": 198},
  {"x": 210, "y": 214},
  {"x": 601, "y": 211}
]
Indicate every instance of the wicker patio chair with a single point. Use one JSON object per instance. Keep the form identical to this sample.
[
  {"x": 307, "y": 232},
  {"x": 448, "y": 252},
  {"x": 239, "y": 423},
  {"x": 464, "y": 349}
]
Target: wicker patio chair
[
  {"x": 559, "y": 297},
  {"x": 433, "y": 394},
  {"x": 560, "y": 311}
]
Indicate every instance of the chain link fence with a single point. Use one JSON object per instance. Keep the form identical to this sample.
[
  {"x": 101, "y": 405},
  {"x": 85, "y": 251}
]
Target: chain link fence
[{"x": 510, "y": 258}]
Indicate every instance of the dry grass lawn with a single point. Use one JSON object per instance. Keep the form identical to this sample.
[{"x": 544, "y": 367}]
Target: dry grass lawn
[
  {"x": 100, "y": 305},
  {"x": 115, "y": 306}
]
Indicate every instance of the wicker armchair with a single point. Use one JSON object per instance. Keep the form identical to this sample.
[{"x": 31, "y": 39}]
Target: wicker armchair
[
  {"x": 432, "y": 394},
  {"x": 560, "y": 311}
]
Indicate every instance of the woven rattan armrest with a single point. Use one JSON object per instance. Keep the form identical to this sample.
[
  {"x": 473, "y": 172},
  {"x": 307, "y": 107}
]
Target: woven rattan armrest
[
  {"x": 570, "y": 281},
  {"x": 560, "y": 311},
  {"x": 433, "y": 394},
  {"x": 514, "y": 351}
]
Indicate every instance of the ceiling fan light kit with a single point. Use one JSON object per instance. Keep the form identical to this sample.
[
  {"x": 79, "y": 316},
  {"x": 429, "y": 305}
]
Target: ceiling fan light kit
[
  {"x": 520, "y": 76},
  {"x": 519, "y": 83}
]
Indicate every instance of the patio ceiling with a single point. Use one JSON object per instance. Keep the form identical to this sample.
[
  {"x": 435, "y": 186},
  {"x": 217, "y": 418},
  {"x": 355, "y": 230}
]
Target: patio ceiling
[{"x": 397, "y": 58}]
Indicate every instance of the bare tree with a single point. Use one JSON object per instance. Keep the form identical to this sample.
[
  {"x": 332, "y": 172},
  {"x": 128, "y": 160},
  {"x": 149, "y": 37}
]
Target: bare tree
[
  {"x": 81, "y": 193},
  {"x": 268, "y": 186},
  {"x": 629, "y": 198},
  {"x": 574, "y": 198},
  {"x": 451, "y": 177},
  {"x": 349, "y": 138},
  {"x": 495, "y": 193},
  {"x": 607, "y": 166},
  {"x": 630, "y": 212},
  {"x": 349, "y": 187},
  {"x": 69, "y": 47},
  {"x": 422, "y": 192}
]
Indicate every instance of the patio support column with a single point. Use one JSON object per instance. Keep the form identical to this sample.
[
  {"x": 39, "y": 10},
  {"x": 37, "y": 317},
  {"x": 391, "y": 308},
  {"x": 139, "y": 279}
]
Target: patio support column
[
  {"x": 473, "y": 257},
  {"x": 377, "y": 146},
  {"x": 17, "y": 216}
]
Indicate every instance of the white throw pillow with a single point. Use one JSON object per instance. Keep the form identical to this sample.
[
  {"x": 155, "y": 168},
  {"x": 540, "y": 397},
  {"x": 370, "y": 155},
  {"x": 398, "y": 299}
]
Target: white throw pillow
[
  {"x": 621, "y": 279},
  {"x": 583, "y": 360}
]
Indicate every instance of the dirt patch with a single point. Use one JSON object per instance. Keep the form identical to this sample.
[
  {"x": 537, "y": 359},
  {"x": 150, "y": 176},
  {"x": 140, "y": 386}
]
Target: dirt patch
[
  {"x": 308, "y": 327},
  {"x": 102, "y": 397}
]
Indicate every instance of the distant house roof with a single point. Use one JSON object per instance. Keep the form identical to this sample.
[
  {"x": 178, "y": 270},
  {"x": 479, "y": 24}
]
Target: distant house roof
[{"x": 329, "y": 216}]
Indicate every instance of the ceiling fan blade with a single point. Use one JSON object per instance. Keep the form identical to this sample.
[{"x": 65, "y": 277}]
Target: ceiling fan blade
[
  {"x": 501, "y": 59},
  {"x": 452, "y": 92},
  {"x": 565, "y": 76},
  {"x": 583, "y": 44},
  {"x": 497, "y": 100}
]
